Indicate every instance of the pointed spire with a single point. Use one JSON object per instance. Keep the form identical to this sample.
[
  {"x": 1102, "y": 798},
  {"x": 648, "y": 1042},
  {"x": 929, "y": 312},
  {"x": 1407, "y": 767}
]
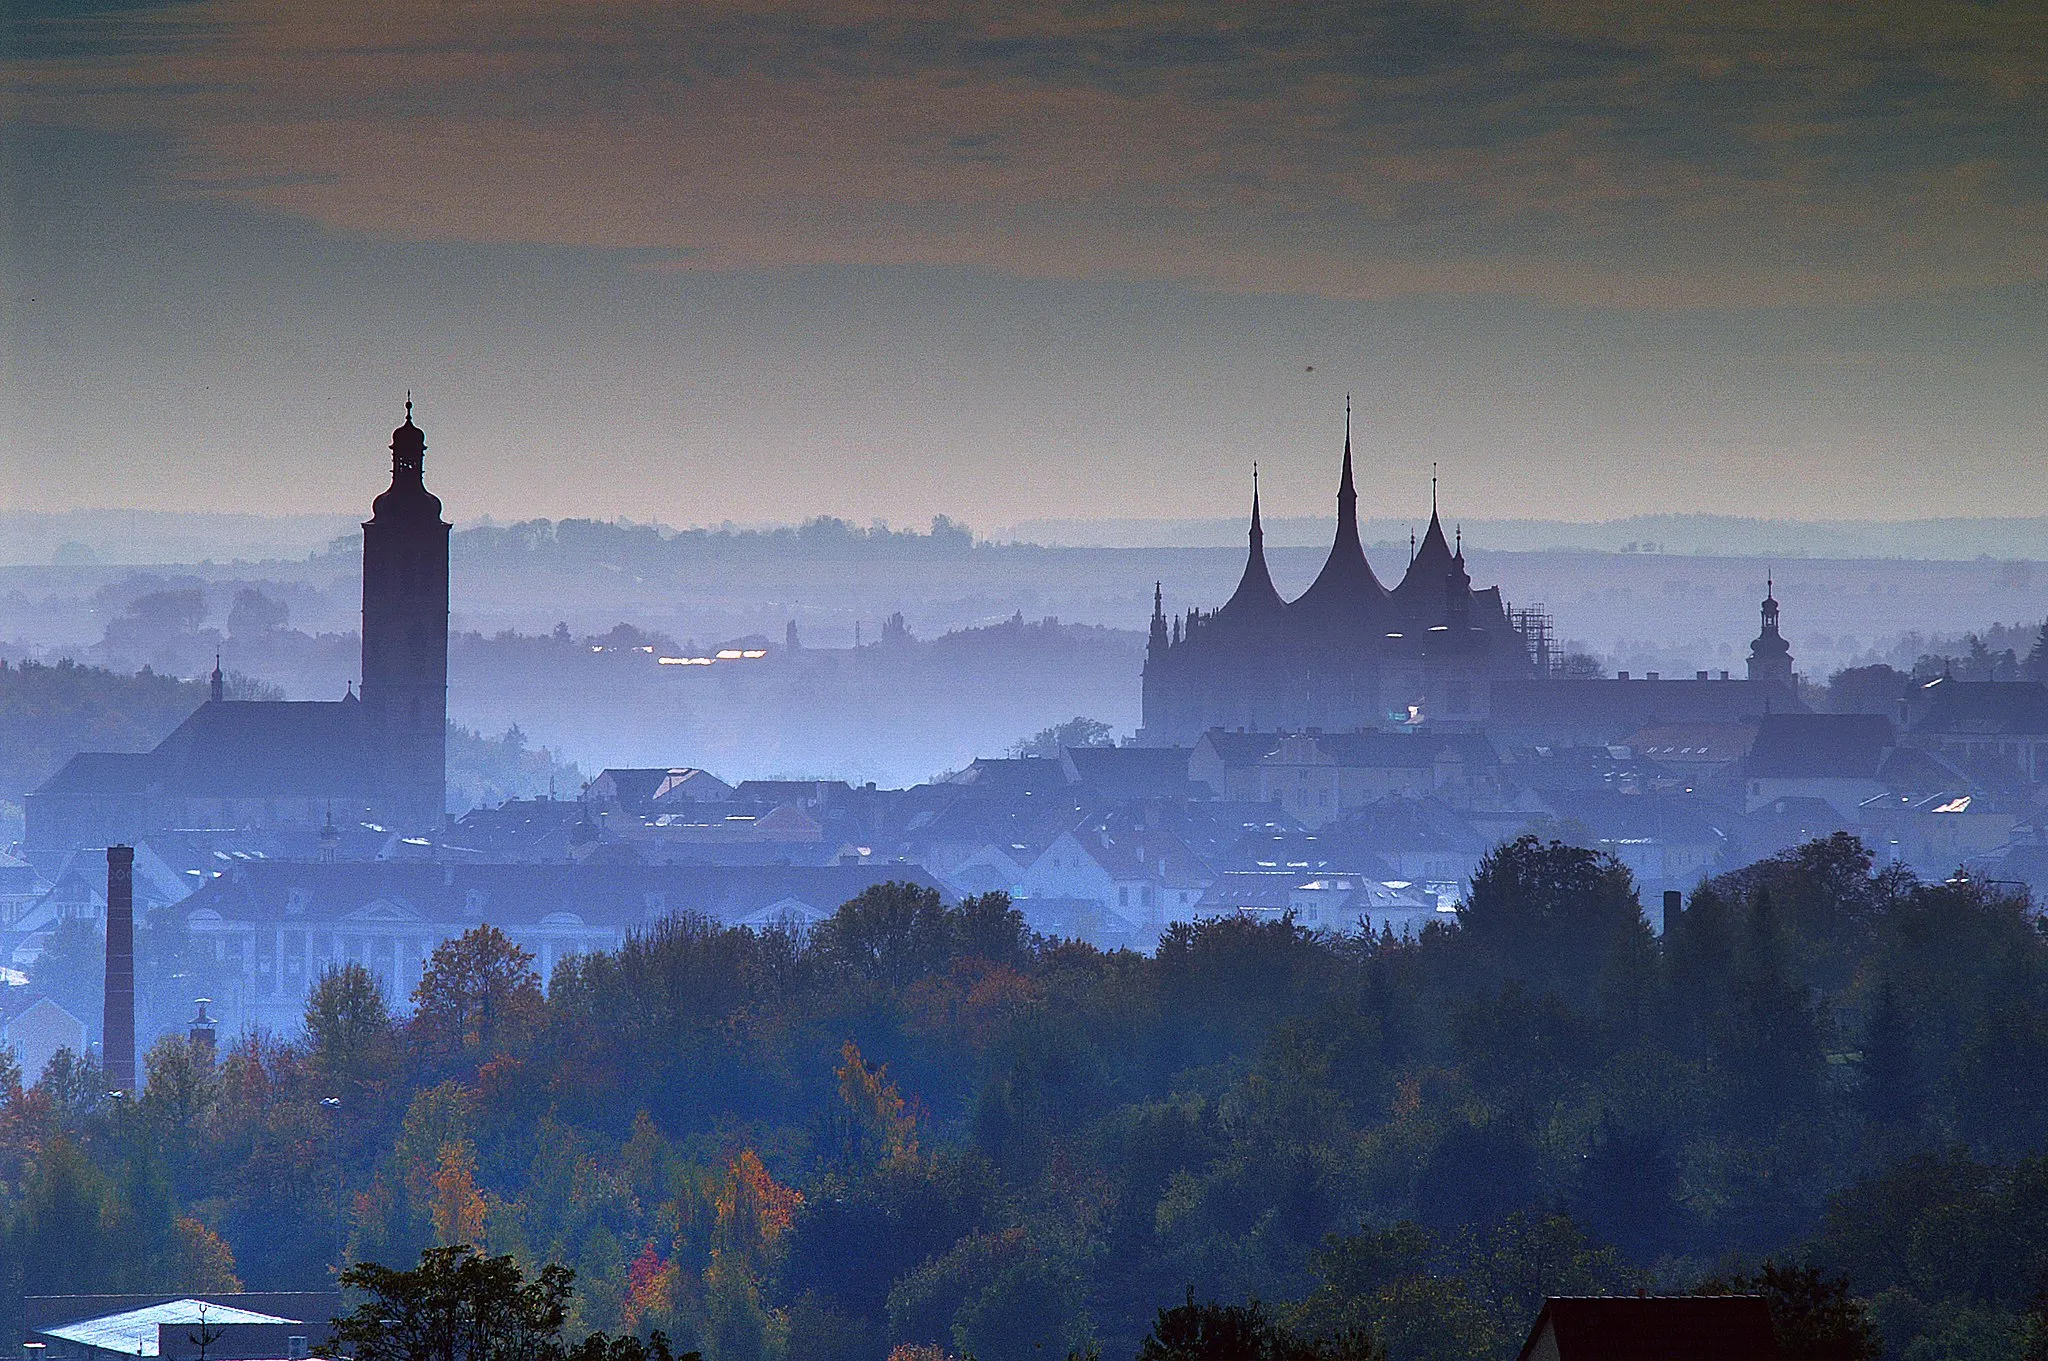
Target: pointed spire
[
  {"x": 1346, "y": 584},
  {"x": 1255, "y": 594},
  {"x": 217, "y": 690}
]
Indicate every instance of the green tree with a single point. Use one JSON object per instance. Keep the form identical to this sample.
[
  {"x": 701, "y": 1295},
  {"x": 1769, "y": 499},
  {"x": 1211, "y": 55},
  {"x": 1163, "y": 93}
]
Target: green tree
[
  {"x": 349, "y": 1034},
  {"x": 459, "y": 1306},
  {"x": 1557, "y": 918}
]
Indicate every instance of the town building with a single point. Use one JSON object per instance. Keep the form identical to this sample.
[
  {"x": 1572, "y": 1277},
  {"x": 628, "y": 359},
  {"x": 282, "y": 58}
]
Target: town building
[
  {"x": 380, "y": 754},
  {"x": 1351, "y": 654}
]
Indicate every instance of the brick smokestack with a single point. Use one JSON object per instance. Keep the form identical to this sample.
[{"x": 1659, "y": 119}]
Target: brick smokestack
[{"x": 119, "y": 1017}]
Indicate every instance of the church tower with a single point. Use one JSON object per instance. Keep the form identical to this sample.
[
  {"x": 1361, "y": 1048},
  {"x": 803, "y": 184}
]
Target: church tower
[
  {"x": 1770, "y": 656},
  {"x": 405, "y": 634}
]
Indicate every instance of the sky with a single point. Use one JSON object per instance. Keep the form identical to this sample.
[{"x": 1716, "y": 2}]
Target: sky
[{"x": 697, "y": 262}]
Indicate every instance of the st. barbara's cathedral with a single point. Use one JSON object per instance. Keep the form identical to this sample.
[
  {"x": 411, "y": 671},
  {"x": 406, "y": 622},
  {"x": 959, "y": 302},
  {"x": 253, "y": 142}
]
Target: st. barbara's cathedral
[
  {"x": 380, "y": 754},
  {"x": 1350, "y": 653}
]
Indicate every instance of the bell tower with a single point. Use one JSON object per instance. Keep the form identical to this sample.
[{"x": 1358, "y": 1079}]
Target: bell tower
[
  {"x": 405, "y": 634},
  {"x": 1770, "y": 656}
]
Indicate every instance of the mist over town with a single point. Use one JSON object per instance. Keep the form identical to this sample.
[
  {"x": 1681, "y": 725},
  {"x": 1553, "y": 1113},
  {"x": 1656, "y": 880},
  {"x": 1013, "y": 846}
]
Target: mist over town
[{"x": 828, "y": 682}]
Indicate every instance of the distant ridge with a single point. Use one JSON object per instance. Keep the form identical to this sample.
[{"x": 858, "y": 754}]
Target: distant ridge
[
  {"x": 119, "y": 538},
  {"x": 145, "y": 537},
  {"x": 1713, "y": 535}
]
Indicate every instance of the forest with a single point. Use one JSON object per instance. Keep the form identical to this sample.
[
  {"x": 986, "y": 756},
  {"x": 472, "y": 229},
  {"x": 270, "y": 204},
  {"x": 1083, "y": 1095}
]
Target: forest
[{"x": 920, "y": 1127}]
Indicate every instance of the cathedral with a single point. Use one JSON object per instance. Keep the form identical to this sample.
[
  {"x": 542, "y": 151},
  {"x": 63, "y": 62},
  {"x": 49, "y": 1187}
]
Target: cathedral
[
  {"x": 1352, "y": 654},
  {"x": 380, "y": 755}
]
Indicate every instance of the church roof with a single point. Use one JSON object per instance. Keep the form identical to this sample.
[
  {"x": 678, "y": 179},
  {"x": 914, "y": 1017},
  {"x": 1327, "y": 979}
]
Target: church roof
[
  {"x": 236, "y": 749},
  {"x": 1433, "y": 562},
  {"x": 268, "y": 749},
  {"x": 100, "y": 774},
  {"x": 1255, "y": 597},
  {"x": 1346, "y": 589}
]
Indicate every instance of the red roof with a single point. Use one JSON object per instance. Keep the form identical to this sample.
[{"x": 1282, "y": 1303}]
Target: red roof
[{"x": 1654, "y": 1328}]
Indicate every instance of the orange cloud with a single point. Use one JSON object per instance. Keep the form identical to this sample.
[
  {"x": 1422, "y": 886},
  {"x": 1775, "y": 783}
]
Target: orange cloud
[{"x": 1622, "y": 154}]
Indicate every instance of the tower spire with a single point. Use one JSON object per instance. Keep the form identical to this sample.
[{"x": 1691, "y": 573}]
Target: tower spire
[
  {"x": 1346, "y": 586},
  {"x": 1255, "y": 594}
]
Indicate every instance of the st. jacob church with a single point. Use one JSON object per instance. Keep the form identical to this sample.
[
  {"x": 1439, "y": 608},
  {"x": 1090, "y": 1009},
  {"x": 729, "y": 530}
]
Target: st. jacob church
[
  {"x": 1351, "y": 654},
  {"x": 380, "y": 754}
]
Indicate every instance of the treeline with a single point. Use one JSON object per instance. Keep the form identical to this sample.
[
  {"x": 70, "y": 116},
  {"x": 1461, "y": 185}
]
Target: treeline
[
  {"x": 50, "y": 712},
  {"x": 622, "y": 544},
  {"x": 920, "y": 1125}
]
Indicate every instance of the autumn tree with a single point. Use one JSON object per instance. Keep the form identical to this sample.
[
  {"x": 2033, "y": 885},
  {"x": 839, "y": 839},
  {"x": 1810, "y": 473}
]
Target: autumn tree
[{"x": 478, "y": 997}]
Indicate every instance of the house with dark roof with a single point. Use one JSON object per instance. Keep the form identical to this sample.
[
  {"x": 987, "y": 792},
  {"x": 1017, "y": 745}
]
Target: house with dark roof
[
  {"x": 1936, "y": 833},
  {"x": 1835, "y": 757},
  {"x": 1653, "y": 1328},
  {"x": 1983, "y": 726},
  {"x": 1148, "y": 878},
  {"x": 1320, "y": 777},
  {"x": 650, "y": 792},
  {"x": 1115, "y": 774},
  {"x": 1326, "y": 902},
  {"x": 1426, "y": 842}
]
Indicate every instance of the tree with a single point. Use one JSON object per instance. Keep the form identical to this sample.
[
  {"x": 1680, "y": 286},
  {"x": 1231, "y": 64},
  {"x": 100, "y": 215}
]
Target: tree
[
  {"x": 459, "y": 1306},
  {"x": 891, "y": 932},
  {"x": 1245, "y": 1332},
  {"x": 455, "y": 1306},
  {"x": 479, "y": 996},
  {"x": 1868, "y": 690},
  {"x": 1813, "y": 1314},
  {"x": 1556, "y": 917},
  {"x": 1075, "y": 732},
  {"x": 1889, "y": 1087},
  {"x": 2035, "y": 667},
  {"x": 254, "y": 613},
  {"x": 348, "y": 1026}
]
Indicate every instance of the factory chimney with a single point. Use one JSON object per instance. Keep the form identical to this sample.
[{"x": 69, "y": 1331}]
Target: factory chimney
[{"x": 118, "y": 1047}]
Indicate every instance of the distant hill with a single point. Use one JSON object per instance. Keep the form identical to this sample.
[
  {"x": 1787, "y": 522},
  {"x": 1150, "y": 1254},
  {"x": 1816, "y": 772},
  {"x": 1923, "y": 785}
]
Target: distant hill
[
  {"x": 85, "y": 538},
  {"x": 1729, "y": 536}
]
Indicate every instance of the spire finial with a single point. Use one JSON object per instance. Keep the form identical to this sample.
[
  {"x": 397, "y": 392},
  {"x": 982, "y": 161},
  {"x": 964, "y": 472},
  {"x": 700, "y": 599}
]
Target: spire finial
[
  {"x": 1432, "y": 490},
  {"x": 408, "y": 406}
]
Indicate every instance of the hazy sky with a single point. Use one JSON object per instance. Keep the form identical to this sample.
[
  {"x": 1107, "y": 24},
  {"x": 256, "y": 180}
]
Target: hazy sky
[{"x": 756, "y": 261}]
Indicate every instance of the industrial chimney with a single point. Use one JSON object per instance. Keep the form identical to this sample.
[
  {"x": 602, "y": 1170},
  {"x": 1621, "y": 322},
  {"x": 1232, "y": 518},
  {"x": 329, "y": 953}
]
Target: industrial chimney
[{"x": 119, "y": 1017}]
